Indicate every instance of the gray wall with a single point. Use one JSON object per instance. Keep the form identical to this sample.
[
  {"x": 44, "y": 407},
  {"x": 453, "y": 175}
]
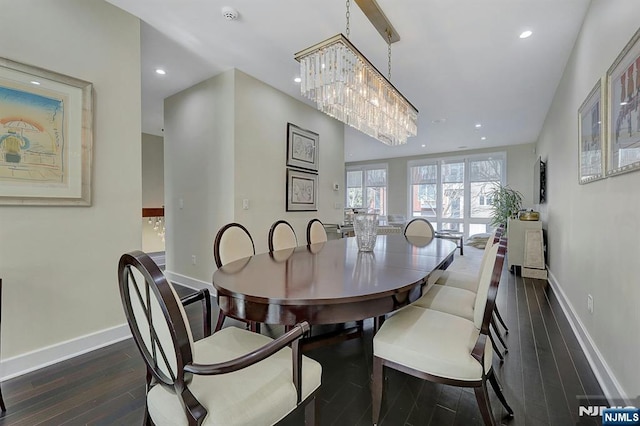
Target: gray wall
[
  {"x": 520, "y": 160},
  {"x": 593, "y": 229},
  {"x": 59, "y": 263},
  {"x": 225, "y": 141}
]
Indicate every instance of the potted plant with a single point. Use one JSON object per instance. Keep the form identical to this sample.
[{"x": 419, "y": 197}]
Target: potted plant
[{"x": 505, "y": 203}]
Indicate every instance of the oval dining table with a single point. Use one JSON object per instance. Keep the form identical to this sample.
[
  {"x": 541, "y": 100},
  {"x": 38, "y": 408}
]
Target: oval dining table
[{"x": 331, "y": 282}]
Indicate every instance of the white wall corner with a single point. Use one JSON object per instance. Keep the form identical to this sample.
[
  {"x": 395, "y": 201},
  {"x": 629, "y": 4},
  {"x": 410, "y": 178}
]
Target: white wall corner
[
  {"x": 611, "y": 388},
  {"x": 35, "y": 360},
  {"x": 192, "y": 283}
]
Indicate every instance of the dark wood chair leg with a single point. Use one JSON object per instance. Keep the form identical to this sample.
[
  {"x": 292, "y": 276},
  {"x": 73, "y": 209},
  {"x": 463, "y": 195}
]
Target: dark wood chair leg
[
  {"x": 206, "y": 314},
  {"x": 310, "y": 410},
  {"x": 497, "y": 387},
  {"x": 377, "y": 323},
  {"x": 255, "y": 327},
  {"x": 497, "y": 314},
  {"x": 220, "y": 322},
  {"x": 495, "y": 348},
  {"x": 376, "y": 389},
  {"x": 2, "y": 406},
  {"x": 482, "y": 397},
  {"x": 498, "y": 335},
  {"x": 147, "y": 419}
]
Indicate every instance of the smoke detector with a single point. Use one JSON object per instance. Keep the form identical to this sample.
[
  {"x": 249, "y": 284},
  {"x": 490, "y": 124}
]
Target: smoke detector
[{"x": 229, "y": 13}]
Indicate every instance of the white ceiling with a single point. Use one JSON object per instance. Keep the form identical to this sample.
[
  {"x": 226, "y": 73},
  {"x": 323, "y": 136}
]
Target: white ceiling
[{"x": 459, "y": 60}]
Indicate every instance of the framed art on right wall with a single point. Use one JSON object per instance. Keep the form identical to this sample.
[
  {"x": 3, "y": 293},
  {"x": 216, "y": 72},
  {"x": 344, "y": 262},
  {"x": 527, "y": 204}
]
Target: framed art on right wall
[
  {"x": 591, "y": 137},
  {"x": 623, "y": 110}
]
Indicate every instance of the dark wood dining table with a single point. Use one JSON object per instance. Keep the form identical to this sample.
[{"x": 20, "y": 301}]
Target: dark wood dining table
[{"x": 331, "y": 282}]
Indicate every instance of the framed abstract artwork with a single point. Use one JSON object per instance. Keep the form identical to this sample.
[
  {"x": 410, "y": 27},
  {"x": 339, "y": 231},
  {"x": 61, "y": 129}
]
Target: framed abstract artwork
[
  {"x": 591, "y": 136},
  {"x": 623, "y": 110},
  {"x": 302, "y": 191},
  {"x": 45, "y": 137},
  {"x": 302, "y": 148}
]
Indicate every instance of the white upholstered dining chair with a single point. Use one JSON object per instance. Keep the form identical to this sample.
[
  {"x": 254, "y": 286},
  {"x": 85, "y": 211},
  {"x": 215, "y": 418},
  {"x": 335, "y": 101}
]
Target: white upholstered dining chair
[
  {"x": 467, "y": 281},
  {"x": 233, "y": 377},
  {"x": 442, "y": 347},
  {"x": 282, "y": 236},
  {"x": 419, "y": 227},
  {"x": 232, "y": 242},
  {"x": 316, "y": 232}
]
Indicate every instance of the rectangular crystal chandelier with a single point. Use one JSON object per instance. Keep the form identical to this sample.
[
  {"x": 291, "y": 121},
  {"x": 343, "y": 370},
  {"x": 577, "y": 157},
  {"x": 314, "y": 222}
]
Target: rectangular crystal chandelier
[{"x": 345, "y": 85}]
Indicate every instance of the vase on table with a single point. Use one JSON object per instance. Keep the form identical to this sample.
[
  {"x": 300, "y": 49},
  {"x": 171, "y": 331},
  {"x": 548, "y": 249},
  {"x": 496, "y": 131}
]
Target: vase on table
[{"x": 365, "y": 226}]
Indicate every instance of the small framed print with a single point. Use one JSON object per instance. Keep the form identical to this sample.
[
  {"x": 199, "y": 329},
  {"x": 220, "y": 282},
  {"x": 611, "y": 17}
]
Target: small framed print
[
  {"x": 591, "y": 136},
  {"x": 302, "y": 191},
  {"x": 302, "y": 148}
]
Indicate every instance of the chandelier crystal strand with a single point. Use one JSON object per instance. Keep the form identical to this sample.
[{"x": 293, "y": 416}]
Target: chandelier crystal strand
[
  {"x": 348, "y": 15},
  {"x": 344, "y": 85}
]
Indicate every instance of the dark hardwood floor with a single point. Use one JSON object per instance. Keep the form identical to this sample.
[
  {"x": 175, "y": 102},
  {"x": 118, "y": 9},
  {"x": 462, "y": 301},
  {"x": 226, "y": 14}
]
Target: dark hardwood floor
[{"x": 544, "y": 374}]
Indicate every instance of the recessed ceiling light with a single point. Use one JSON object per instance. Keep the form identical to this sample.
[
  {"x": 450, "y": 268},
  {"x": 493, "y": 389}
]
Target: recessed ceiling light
[
  {"x": 160, "y": 71},
  {"x": 526, "y": 34},
  {"x": 424, "y": 146},
  {"x": 484, "y": 138},
  {"x": 439, "y": 120},
  {"x": 478, "y": 125},
  {"x": 297, "y": 79},
  {"x": 37, "y": 83}
]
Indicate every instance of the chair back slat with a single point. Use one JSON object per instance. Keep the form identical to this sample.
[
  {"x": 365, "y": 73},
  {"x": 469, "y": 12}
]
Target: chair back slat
[
  {"x": 156, "y": 318},
  {"x": 232, "y": 242}
]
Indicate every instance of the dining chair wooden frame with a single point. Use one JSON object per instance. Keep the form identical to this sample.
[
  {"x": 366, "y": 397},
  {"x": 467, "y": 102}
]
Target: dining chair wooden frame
[
  {"x": 478, "y": 353},
  {"x": 274, "y": 231},
  {"x": 162, "y": 334},
  {"x": 219, "y": 260}
]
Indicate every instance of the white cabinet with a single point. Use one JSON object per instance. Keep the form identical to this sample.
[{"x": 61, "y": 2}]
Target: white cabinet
[{"x": 515, "y": 244}]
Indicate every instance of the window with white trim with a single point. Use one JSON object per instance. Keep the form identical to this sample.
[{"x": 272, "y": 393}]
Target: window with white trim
[
  {"x": 454, "y": 193},
  {"x": 366, "y": 187}
]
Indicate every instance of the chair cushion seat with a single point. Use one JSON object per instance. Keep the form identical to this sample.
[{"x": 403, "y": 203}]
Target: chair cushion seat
[
  {"x": 452, "y": 300},
  {"x": 432, "y": 342},
  {"x": 260, "y": 394},
  {"x": 457, "y": 279}
]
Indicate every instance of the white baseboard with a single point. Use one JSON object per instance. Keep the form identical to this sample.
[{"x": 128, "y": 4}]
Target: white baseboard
[
  {"x": 611, "y": 388},
  {"x": 44, "y": 357},
  {"x": 31, "y": 361},
  {"x": 190, "y": 282}
]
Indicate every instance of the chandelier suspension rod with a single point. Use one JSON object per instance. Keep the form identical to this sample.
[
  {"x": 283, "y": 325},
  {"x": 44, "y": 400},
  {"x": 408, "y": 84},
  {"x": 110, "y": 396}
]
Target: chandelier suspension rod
[{"x": 378, "y": 19}]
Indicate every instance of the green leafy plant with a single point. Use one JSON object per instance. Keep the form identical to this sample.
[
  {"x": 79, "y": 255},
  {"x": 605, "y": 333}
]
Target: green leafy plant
[{"x": 505, "y": 203}]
